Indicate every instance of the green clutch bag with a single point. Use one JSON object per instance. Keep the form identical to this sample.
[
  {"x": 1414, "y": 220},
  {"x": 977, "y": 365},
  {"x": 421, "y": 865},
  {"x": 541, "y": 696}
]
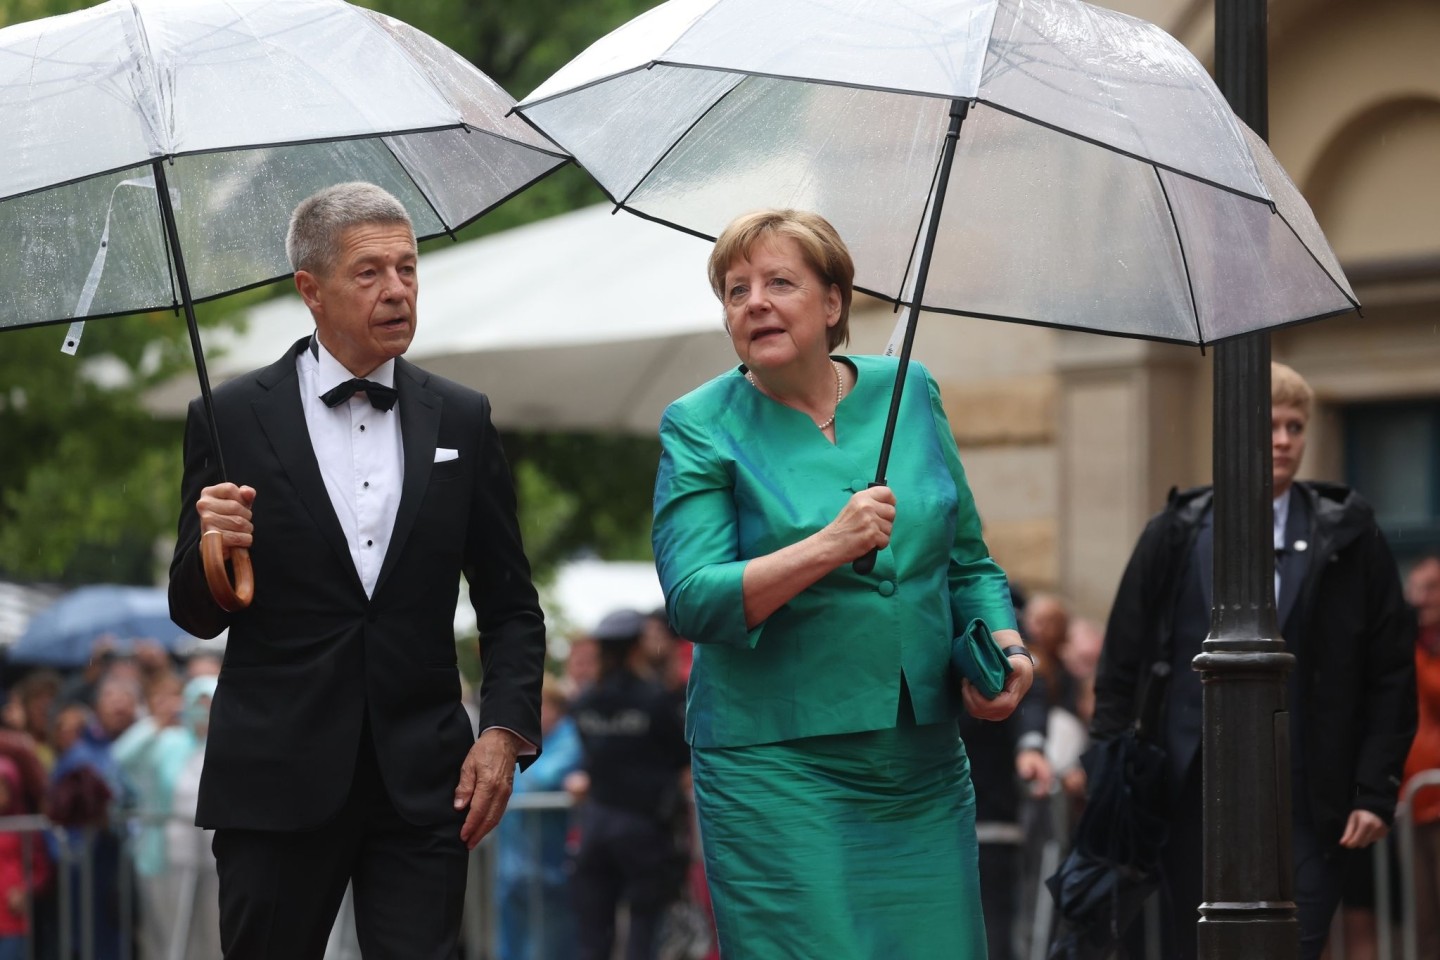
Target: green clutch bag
[{"x": 975, "y": 656}]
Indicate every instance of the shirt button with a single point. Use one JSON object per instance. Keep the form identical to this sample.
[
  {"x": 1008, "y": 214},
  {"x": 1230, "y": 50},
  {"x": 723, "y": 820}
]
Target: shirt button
[
  {"x": 362, "y": 428},
  {"x": 371, "y": 543},
  {"x": 367, "y": 484},
  {"x": 886, "y": 588}
]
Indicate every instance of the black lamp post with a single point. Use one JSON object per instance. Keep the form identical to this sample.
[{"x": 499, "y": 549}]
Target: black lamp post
[{"x": 1249, "y": 880}]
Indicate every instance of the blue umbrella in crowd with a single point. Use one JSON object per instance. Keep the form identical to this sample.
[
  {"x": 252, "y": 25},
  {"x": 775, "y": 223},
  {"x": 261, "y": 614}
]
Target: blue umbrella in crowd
[{"x": 64, "y": 633}]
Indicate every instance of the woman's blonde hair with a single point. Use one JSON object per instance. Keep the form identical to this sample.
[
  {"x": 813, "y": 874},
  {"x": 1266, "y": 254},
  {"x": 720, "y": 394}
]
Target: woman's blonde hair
[
  {"x": 820, "y": 244},
  {"x": 1289, "y": 389}
]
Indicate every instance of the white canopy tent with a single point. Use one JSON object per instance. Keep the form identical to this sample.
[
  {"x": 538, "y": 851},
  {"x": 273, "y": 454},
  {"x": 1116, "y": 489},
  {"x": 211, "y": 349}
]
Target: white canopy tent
[{"x": 585, "y": 321}]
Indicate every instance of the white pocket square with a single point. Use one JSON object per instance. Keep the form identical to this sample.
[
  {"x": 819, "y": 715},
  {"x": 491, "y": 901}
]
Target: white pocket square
[{"x": 443, "y": 454}]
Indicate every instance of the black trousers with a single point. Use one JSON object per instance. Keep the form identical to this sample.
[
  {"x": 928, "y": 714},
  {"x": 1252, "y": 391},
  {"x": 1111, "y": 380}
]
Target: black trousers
[
  {"x": 280, "y": 891},
  {"x": 622, "y": 857}
]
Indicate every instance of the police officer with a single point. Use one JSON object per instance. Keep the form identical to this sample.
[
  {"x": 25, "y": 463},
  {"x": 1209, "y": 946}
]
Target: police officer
[{"x": 632, "y": 732}]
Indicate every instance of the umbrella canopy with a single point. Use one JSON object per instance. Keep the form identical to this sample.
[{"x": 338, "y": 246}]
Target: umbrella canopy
[
  {"x": 1099, "y": 179},
  {"x": 252, "y": 105},
  {"x": 145, "y": 132},
  {"x": 64, "y": 633}
]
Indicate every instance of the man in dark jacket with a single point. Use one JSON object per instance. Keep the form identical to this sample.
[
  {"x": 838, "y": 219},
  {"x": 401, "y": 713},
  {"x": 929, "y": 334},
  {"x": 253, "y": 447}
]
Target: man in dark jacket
[{"x": 1351, "y": 693}]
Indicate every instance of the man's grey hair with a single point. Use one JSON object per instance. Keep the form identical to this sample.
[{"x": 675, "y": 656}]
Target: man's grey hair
[{"x": 313, "y": 238}]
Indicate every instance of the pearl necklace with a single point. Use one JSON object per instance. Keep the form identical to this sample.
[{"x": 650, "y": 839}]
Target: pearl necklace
[{"x": 839, "y": 392}]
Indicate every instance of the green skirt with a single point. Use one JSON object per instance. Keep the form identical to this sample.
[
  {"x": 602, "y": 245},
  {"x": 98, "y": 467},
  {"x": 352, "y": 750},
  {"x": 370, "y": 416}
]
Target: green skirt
[{"x": 854, "y": 846}]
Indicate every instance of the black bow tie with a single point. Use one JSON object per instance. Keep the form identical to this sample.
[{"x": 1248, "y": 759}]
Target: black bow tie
[{"x": 381, "y": 396}]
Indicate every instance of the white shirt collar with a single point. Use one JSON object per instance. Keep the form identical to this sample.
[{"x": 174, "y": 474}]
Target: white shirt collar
[
  {"x": 330, "y": 373},
  {"x": 1282, "y": 516}
]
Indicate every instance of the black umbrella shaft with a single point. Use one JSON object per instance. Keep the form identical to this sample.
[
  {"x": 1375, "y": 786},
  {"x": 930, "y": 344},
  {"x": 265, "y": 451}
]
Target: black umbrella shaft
[
  {"x": 958, "y": 110},
  {"x": 172, "y": 233}
]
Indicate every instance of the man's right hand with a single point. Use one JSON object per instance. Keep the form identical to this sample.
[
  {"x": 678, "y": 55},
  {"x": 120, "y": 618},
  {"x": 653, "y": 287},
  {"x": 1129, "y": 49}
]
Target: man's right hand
[{"x": 225, "y": 512}]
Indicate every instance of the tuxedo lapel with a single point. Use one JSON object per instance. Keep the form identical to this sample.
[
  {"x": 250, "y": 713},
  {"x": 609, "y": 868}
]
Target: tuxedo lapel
[
  {"x": 283, "y": 421},
  {"x": 419, "y": 430}
]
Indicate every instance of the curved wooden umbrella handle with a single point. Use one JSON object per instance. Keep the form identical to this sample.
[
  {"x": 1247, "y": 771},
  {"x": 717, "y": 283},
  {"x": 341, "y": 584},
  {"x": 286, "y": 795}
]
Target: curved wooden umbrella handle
[{"x": 230, "y": 597}]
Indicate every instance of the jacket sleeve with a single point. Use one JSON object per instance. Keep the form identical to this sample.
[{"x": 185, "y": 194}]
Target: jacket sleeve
[
  {"x": 191, "y": 605},
  {"x": 1390, "y": 705},
  {"x": 1129, "y": 636},
  {"x": 978, "y": 587},
  {"x": 696, "y": 536},
  {"x": 507, "y": 610}
]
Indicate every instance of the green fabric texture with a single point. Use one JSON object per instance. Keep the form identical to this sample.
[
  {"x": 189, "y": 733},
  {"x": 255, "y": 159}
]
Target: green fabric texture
[
  {"x": 852, "y": 847},
  {"x": 741, "y": 476}
]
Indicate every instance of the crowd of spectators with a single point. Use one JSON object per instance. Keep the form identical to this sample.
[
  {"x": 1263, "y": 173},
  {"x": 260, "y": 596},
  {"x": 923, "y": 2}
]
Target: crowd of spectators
[{"x": 109, "y": 754}]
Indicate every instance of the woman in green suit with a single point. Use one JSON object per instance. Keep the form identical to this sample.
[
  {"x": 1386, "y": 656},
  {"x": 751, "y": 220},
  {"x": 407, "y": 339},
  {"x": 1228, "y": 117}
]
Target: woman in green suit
[{"x": 836, "y": 810}]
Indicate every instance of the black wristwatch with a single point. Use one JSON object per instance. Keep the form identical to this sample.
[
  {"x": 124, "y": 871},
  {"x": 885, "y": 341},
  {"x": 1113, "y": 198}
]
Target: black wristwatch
[{"x": 1017, "y": 650}]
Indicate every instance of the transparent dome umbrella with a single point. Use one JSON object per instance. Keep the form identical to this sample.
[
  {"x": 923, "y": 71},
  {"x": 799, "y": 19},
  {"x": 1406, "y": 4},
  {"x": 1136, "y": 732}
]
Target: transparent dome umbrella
[
  {"x": 1045, "y": 161},
  {"x": 155, "y": 148}
]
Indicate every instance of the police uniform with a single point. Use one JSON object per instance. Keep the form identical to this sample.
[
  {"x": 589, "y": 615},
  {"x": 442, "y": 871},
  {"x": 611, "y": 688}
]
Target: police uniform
[{"x": 632, "y": 731}]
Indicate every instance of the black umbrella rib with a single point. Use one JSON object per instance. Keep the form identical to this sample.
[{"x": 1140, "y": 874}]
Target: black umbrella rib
[
  {"x": 311, "y": 141},
  {"x": 141, "y": 166},
  {"x": 1184, "y": 260},
  {"x": 1323, "y": 269},
  {"x": 874, "y": 87},
  {"x": 1126, "y": 334},
  {"x": 385, "y": 142},
  {"x": 520, "y": 108},
  {"x": 920, "y": 226},
  {"x": 525, "y": 186},
  {"x": 676, "y": 141},
  {"x": 668, "y": 223},
  {"x": 1148, "y": 161},
  {"x": 171, "y": 157}
]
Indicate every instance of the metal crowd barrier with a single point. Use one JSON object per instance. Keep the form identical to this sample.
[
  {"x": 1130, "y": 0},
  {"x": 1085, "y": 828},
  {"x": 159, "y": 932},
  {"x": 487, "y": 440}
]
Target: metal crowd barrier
[
  {"x": 1405, "y": 841},
  {"x": 481, "y": 922},
  {"x": 74, "y": 875},
  {"x": 70, "y": 897}
]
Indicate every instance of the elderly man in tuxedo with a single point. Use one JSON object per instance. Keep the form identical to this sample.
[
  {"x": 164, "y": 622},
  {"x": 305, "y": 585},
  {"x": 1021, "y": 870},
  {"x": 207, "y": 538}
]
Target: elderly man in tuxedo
[{"x": 339, "y": 751}]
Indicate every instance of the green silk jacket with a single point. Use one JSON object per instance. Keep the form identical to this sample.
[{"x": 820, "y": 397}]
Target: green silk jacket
[{"x": 742, "y": 476}]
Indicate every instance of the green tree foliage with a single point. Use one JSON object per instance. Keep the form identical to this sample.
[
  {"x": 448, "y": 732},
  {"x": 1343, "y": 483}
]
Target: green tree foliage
[
  {"x": 88, "y": 479},
  {"x": 584, "y": 492}
]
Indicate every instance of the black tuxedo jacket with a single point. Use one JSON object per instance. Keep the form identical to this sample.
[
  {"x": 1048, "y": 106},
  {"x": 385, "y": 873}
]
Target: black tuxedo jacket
[{"x": 313, "y": 656}]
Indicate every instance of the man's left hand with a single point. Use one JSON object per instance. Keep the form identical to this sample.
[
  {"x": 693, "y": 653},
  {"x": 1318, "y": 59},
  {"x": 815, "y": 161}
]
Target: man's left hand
[
  {"x": 1362, "y": 829},
  {"x": 486, "y": 779}
]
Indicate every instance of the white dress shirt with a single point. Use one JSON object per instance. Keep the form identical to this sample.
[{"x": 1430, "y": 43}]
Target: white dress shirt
[
  {"x": 362, "y": 462},
  {"x": 361, "y": 458},
  {"x": 1282, "y": 516}
]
